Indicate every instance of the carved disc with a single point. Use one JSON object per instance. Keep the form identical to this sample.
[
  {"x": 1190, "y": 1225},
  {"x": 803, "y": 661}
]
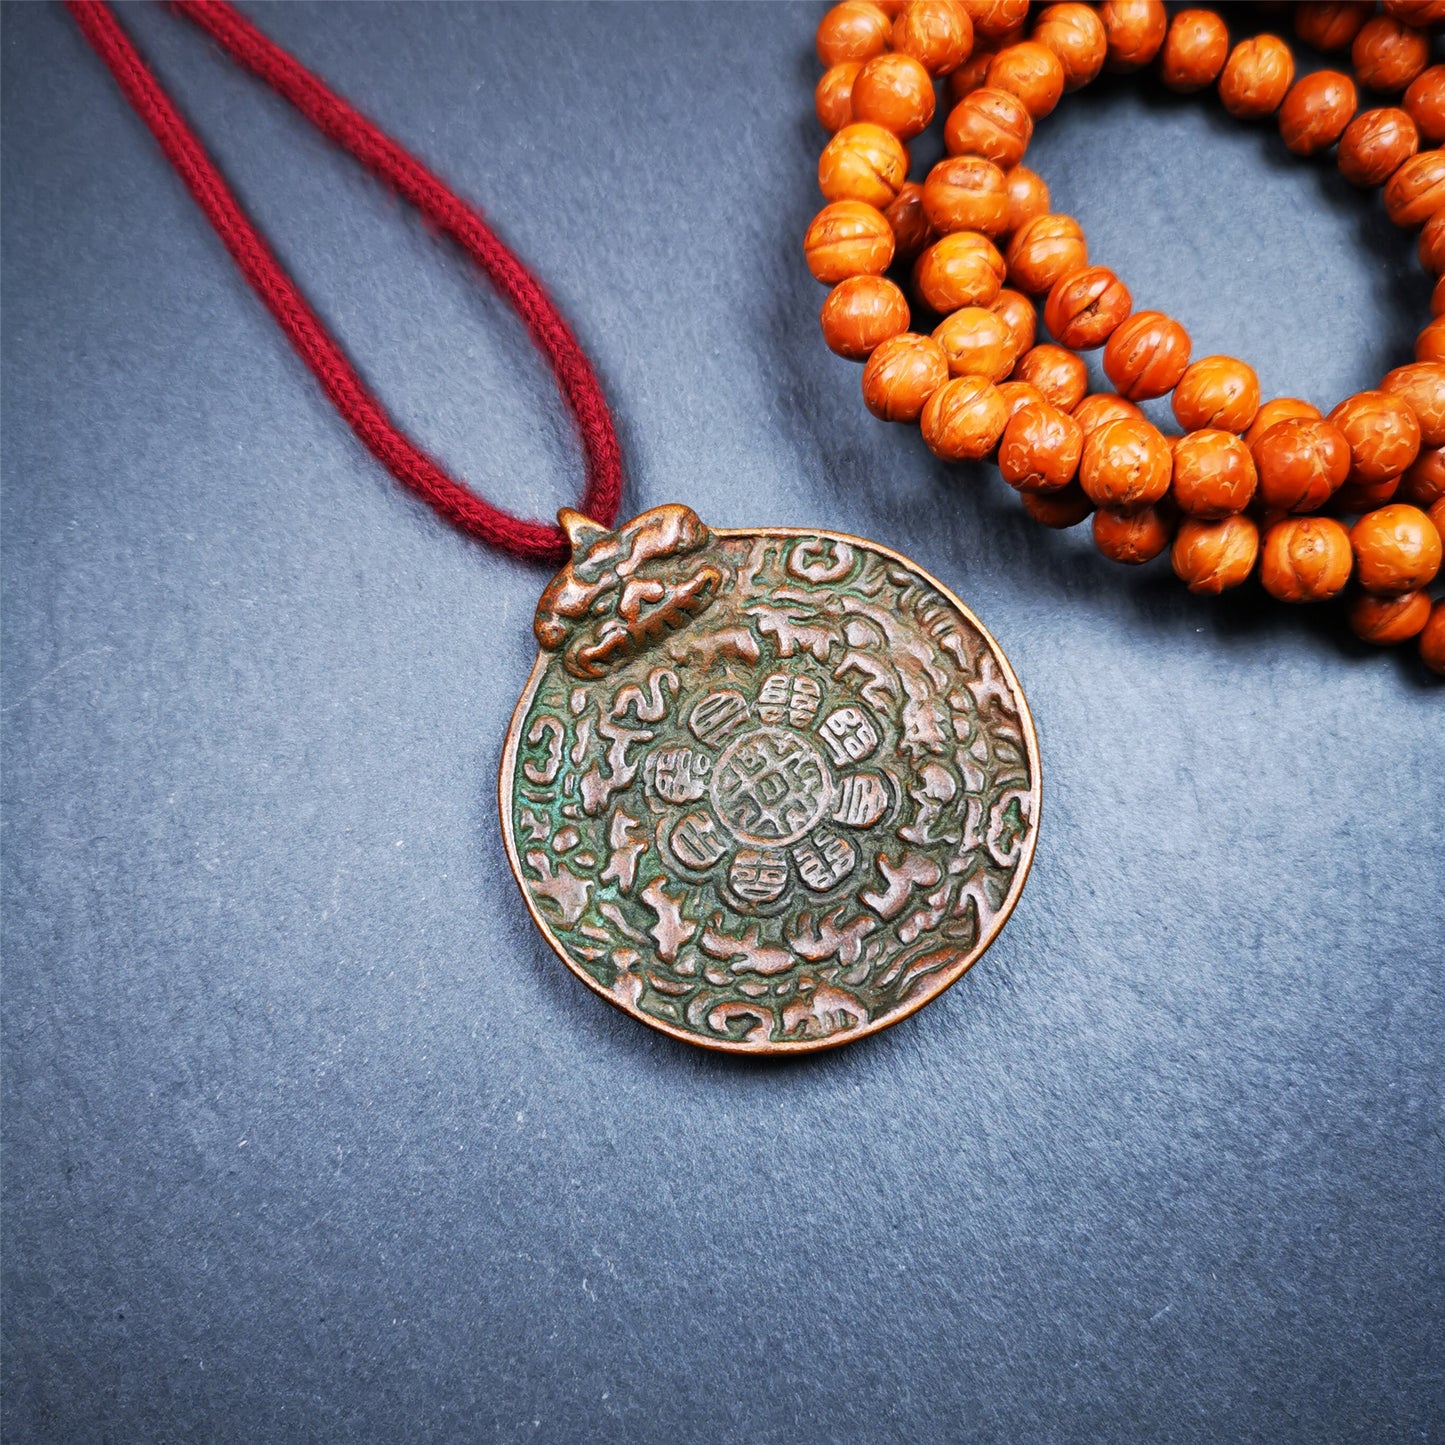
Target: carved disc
[{"x": 767, "y": 791}]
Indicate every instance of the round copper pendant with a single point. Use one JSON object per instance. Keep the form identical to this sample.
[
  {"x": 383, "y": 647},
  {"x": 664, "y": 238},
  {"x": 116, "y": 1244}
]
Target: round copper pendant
[{"x": 767, "y": 791}]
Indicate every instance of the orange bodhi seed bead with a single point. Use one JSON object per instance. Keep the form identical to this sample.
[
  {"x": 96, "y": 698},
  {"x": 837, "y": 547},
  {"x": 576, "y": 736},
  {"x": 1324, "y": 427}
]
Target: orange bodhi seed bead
[
  {"x": 1076, "y": 35},
  {"x": 1397, "y": 549},
  {"x": 1422, "y": 386},
  {"x": 1214, "y": 474},
  {"x": 1388, "y": 55},
  {"x": 1419, "y": 13},
  {"x": 1216, "y": 391},
  {"x": 969, "y": 76},
  {"x": 1028, "y": 196},
  {"x": 1301, "y": 464},
  {"x": 1316, "y": 111},
  {"x": 1256, "y": 77},
  {"x": 996, "y": 19},
  {"x": 1430, "y": 344},
  {"x": 991, "y": 123},
  {"x": 1417, "y": 189},
  {"x": 1213, "y": 556},
  {"x": 963, "y": 419},
  {"x": 1126, "y": 463},
  {"x": 966, "y": 193},
  {"x": 905, "y": 215},
  {"x": 1436, "y": 514},
  {"x": 1103, "y": 407},
  {"x": 1330, "y": 25},
  {"x": 1425, "y": 103},
  {"x": 1059, "y": 375},
  {"x": 1043, "y": 250},
  {"x": 1030, "y": 71},
  {"x": 1017, "y": 395},
  {"x": 1084, "y": 307},
  {"x": 833, "y": 95},
  {"x": 1132, "y": 537},
  {"x": 977, "y": 343},
  {"x": 1040, "y": 449},
  {"x": 863, "y": 162},
  {"x": 1432, "y": 639},
  {"x": 1277, "y": 410},
  {"x": 1134, "y": 30},
  {"x": 1017, "y": 312},
  {"x": 1194, "y": 52},
  {"x": 849, "y": 238},
  {"x": 936, "y": 33},
  {"x": 1065, "y": 508},
  {"x": 860, "y": 313},
  {"x": 1388, "y": 620},
  {"x": 1357, "y": 497},
  {"x": 1432, "y": 253},
  {"x": 896, "y": 92},
  {"x": 1146, "y": 355},
  {"x": 1382, "y": 432},
  {"x": 1424, "y": 482},
  {"x": 1306, "y": 559},
  {"x": 960, "y": 269},
  {"x": 901, "y": 374},
  {"x": 1375, "y": 145},
  {"x": 854, "y": 30}
]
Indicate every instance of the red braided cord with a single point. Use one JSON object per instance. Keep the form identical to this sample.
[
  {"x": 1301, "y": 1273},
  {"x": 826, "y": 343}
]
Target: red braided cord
[{"x": 338, "y": 120}]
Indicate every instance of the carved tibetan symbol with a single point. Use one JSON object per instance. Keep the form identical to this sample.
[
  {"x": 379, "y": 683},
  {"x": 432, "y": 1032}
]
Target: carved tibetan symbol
[{"x": 766, "y": 791}]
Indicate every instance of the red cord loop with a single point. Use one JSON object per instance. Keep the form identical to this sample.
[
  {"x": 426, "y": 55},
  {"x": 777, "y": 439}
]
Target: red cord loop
[{"x": 410, "y": 179}]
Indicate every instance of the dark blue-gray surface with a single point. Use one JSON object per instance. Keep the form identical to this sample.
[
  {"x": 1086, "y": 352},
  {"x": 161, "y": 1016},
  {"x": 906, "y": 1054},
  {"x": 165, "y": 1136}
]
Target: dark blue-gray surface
[{"x": 307, "y": 1134}]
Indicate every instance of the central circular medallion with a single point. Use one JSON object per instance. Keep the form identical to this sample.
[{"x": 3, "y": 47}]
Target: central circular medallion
[{"x": 770, "y": 787}]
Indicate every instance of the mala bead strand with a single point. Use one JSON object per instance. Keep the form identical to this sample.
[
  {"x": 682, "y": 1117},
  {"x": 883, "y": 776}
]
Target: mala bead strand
[{"x": 981, "y": 241}]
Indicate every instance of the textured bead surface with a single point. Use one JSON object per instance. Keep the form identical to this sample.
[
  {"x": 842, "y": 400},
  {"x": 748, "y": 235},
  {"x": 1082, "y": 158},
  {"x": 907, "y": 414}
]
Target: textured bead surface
[
  {"x": 936, "y": 33},
  {"x": 1065, "y": 508},
  {"x": 848, "y": 238},
  {"x": 1085, "y": 306},
  {"x": 1194, "y": 51},
  {"x": 1256, "y": 77},
  {"x": 1217, "y": 391},
  {"x": 863, "y": 163},
  {"x": 1432, "y": 639},
  {"x": 833, "y": 95},
  {"x": 1417, "y": 189},
  {"x": 896, "y": 92},
  {"x": 1387, "y": 55},
  {"x": 1424, "y": 482},
  {"x": 1316, "y": 111},
  {"x": 966, "y": 193},
  {"x": 1375, "y": 144},
  {"x": 1397, "y": 549},
  {"x": 1043, "y": 250},
  {"x": 1134, "y": 31},
  {"x": 1125, "y": 463},
  {"x": 1430, "y": 343},
  {"x": 1133, "y": 537},
  {"x": 901, "y": 374},
  {"x": 963, "y": 419},
  {"x": 1301, "y": 464},
  {"x": 1214, "y": 474},
  {"x": 853, "y": 30},
  {"x": 1213, "y": 556},
  {"x": 996, "y": 19},
  {"x": 977, "y": 342},
  {"x": 860, "y": 313},
  {"x": 991, "y": 123},
  {"x": 1389, "y": 620},
  {"x": 1330, "y": 25},
  {"x": 1305, "y": 559},
  {"x": 1422, "y": 384},
  {"x": 1146, "y": 355},
  {"x": 1061, "y": 377},
  {"x": 1028, "y": 196},
  {"x": 1382, "y": 432},
  {"x": 1040, "y": 448},
  {"x": 912, "y": 235},
  {"x": 1425, "y": 104},
  {"x": 1278, "y": 409},
  {"x": 1017, "y": 312},
  {"x": 1030, "y": 71},
  {"x": 960, "y": 269},
  {"x": 1103, "y": 406},
  {"x": 1075, "y": 34},
  {"x": 1017, "y": 395}
]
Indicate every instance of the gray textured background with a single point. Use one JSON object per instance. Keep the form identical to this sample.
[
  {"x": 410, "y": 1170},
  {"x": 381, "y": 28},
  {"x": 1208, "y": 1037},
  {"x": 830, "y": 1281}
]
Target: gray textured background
[{"x": 308, "y": 1135}]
